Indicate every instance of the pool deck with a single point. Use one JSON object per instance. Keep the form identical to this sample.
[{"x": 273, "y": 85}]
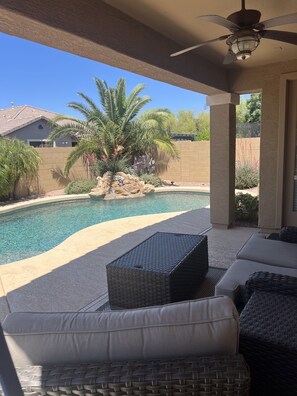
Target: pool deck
[{"x": 73, "y": 276}]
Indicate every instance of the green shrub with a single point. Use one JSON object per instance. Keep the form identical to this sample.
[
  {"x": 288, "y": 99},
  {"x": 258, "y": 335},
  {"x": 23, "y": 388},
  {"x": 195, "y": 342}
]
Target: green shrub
[
  {"x": 149, "y": 178},
  {"x": 17, "y": 160},
  {"x": 246, "y": 207},
  {"x": 80, "y": 186},
  {"x": 246, "y": 176}
]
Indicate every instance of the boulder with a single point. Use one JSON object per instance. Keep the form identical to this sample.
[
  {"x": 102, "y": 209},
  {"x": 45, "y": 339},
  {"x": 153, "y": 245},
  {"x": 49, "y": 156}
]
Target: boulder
[
  {"x": 148, "y": 188},
  {"x": 97, "y": 193},
  {"x": 120, "y": 185}
]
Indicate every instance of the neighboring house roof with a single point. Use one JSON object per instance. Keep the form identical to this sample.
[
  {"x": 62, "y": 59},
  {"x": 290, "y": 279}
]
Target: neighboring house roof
[{"x": 18, "y": 117}]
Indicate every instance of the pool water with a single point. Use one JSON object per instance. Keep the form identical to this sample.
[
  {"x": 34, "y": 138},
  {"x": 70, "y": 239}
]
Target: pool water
[{"x": 28, "y": 232}]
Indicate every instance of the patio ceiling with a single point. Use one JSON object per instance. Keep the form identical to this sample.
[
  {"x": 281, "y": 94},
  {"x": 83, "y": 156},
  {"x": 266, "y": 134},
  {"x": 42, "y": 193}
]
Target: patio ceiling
[
  {"x": 140, "y": 35},
  {"x": 95, "y": 30},
  {"x": 177, "y": 20}
]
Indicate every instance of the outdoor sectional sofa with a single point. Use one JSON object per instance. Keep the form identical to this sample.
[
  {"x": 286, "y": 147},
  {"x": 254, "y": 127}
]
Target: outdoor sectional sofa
[
  {"x": 189, "y": 347},
  {"x": 276, "y": 253},
  {"x": 268, "y": 335}
]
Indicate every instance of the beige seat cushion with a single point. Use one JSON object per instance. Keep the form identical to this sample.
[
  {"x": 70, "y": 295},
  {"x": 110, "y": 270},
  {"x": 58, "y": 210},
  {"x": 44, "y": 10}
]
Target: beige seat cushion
[
  {"x": 199, "y": 327},
  {"x": 232, "y": 284},
  {"x": 268, "y": 251}
]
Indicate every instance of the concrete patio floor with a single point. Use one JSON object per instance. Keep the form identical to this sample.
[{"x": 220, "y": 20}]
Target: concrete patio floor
[{"x": 72, "y": 276}]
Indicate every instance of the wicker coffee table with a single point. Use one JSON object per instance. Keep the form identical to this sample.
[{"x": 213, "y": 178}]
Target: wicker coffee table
[{"x": 164, "y": 268}]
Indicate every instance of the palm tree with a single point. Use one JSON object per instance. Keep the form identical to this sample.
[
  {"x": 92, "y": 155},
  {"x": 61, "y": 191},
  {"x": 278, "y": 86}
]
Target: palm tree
[
  {"x": 17, "y": 160},
  {"x": 111, "y": 132}
]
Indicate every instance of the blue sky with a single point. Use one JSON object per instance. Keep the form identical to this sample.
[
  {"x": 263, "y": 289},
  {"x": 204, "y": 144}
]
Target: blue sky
[{"x": 44, "y": 77}]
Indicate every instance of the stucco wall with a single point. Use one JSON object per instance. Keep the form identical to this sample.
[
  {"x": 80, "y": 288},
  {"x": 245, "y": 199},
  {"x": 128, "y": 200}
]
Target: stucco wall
[
  {"x": 194, "y": 162},
  {"x": 50, "y": 171},
  {"x": 192, "y": 166}
]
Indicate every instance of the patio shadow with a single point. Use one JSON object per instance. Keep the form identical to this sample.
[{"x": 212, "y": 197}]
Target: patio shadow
[{"x": 76, "y": 283}]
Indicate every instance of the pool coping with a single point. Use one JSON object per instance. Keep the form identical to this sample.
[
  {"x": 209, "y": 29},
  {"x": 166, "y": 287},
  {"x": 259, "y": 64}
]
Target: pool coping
[{"x": 72, "y": 197}]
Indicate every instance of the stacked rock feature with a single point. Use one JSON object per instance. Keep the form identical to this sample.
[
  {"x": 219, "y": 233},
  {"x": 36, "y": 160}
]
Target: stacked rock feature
[{"x": 120, "y": 185}]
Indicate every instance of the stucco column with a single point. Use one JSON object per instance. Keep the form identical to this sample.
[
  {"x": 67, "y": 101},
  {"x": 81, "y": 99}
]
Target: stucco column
[{"x": 222, "y": 158}]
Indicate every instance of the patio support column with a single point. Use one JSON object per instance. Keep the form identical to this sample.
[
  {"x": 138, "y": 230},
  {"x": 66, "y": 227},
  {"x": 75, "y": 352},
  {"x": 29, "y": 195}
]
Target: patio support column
[{"x": 222, "y": 158}]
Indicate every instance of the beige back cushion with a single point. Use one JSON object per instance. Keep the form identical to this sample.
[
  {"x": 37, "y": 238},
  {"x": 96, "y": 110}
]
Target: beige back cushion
[{"x": 199, "y": 327}]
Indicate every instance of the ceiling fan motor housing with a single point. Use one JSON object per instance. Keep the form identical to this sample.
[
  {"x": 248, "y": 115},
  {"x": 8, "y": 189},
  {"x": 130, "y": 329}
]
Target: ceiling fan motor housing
[{"x": 245, "y": 18}]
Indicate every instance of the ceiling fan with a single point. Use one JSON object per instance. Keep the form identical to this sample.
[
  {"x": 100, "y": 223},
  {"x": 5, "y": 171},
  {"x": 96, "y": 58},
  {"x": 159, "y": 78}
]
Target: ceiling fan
[{"x": 246, "y": 32}]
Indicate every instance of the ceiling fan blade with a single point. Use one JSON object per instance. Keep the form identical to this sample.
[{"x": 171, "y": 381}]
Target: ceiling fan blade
[
  {"x": 278, "y": 21},
  {"x": 229, "y": 58},
  {"x": 278, "y": 35},
  {"x": 200, "y": 45},
  {"x": 219, "y": 20}
]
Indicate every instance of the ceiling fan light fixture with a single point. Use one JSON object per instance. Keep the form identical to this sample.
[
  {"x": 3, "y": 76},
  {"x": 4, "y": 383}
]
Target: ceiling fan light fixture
[
  {"x": 242, "y": 46},
  {"x": 242, "y": 55},
  {"x": 247, "y": 30}
]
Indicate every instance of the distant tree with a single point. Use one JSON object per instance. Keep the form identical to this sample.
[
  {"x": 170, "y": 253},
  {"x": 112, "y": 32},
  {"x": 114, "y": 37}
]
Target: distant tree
[
  {"x": 203, "y": 125},
  {"x": 241, "y": 111},
  {"x": 253, "y": 105},
  {"x": 183, "y": 122},
  {"x": 248, "y": 116},
  {"x": 187, "y": 122},
  {"x": 17, "y": 159}
]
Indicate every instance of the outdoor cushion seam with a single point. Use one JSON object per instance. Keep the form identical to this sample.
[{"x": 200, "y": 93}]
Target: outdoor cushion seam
[
  {"x": 122, "y": 329},
  {"x": 144, "y": 309}
]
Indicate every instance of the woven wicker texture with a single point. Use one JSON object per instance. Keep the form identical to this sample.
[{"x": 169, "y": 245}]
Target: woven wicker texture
[
  {"x": 267, "y": 281},
  {"x": 165, "y": 268},
  {"x": 268, "y": 341},
  {"x": 288, "y": 234},
  {"x": 207, "y": 376}
]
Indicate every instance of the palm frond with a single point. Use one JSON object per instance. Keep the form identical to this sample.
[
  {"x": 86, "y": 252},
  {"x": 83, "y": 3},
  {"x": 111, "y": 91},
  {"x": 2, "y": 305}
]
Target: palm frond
[
  {"x": 102, "y": 87},
  {"x": 77, "y": 129},
  {"x": 90, "y": 102},
  {"x": 121, "y": 96},
  {"x": 98, "y": 116},
  {"x": 81, "y": 108},
  {"x": 132, "y": 110},
  {"x": 134, "y": 94},
  {"x": 110, "y": 107},
  {"x": 83, "y": 147},
  {"x": 99, "y": 119},
  {"x": 167, "y": 147},
  {"x": 63, "y": 118}
]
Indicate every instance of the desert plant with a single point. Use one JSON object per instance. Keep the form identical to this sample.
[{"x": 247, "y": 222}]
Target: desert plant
[
  {"x": 17, "y": 160},
  {"x": 149, "y": 178},
  {"x": 113, "y": 164},
  {"x": 246, "y": 176},
  {"x": 80, "y": 186},
  {"x": 113, "y": 126},
  {"x": 144, "y": 165},
  {"x": 246, "y": 207}
]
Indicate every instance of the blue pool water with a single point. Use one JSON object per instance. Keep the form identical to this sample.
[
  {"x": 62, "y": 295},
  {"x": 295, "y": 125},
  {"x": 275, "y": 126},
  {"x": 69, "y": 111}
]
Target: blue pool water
[{"x": 28, "y": 232}]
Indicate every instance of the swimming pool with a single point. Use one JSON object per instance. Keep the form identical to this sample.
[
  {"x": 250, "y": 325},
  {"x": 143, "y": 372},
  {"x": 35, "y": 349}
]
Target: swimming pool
[{"x": 27, "y": 232}]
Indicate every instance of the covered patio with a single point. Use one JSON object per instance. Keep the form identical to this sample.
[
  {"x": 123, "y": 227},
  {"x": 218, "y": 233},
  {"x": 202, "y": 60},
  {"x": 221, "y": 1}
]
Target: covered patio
[{"x": 139, "y": 36}]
